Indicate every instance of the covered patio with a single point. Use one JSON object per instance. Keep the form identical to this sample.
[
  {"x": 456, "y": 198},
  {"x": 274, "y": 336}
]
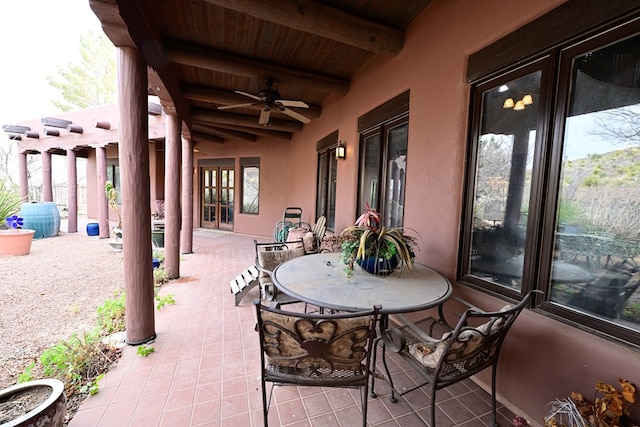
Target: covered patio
[
  {"x": 412, "y": 95},
  {"x": 205, "y": 368}
]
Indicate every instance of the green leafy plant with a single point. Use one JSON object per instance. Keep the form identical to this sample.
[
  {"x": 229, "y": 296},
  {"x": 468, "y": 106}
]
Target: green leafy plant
[
  {"x": 160, "y": 276},
  {"x": 144, "y": 350},
  {"x": 92, "y": 387},
  {"x": 80, "y": 361},
  {"x": 111, "y": 314},
  {"x": 10, "y": 202},
  {"x": 27, "y": 375},
  {"x": 164, "y": 300}
]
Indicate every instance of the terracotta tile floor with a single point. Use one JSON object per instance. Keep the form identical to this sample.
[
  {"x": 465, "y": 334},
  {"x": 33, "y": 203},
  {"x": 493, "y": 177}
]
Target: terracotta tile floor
[{"x": 205, "y": 372}]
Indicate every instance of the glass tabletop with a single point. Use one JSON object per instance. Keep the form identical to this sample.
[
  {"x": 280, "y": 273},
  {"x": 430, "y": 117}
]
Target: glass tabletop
[{"x": 321, "y": 280}]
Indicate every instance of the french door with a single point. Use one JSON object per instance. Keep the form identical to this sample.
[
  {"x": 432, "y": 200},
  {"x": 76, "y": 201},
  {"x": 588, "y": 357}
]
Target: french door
[{"x": 218, "y": 195}]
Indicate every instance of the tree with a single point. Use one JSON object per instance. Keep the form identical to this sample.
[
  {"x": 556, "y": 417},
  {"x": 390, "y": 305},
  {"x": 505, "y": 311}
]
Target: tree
[{"x": 93, "y": 81}]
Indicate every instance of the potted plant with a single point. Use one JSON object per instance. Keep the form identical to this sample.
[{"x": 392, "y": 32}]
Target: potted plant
[
  {"x": 13, "y": 239},
  {"x": 376, "y": 248},
  {"x": 34, "y": 403}
]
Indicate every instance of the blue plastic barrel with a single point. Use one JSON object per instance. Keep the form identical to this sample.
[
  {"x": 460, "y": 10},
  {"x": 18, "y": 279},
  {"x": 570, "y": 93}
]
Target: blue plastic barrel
[
  {"x": 44, "y": 218},
  {"x": 93, "y": 229}
]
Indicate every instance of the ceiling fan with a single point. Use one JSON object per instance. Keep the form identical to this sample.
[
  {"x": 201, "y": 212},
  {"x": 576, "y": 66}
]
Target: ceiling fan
[{"x": 271, "y": 100}]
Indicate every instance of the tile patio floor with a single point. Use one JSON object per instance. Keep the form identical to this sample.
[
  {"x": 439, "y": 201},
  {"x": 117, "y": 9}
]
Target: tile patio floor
[{"x": 204, "y": 371}]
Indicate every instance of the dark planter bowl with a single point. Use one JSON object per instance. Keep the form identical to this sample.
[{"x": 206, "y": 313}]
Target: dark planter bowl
[
  {"x": 50, "y": 413},
  {"x": 378, "y": 266}
]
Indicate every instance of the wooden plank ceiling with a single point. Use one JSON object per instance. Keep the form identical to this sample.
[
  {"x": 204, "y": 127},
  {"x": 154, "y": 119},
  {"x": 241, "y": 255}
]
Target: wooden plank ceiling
[{"x": 200, "y": 52}]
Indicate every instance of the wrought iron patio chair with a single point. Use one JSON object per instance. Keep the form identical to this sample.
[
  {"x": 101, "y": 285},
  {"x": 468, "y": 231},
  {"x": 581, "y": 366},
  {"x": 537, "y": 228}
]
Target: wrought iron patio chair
[
  {"x": 268, "y": 257},
  {"x": 315, "y": 350},
  {"x": 446, "y": 354}
]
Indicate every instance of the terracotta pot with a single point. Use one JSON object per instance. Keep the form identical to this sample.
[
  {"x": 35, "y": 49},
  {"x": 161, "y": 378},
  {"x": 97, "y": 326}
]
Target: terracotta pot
[
  {"x": 15, "y": 242},
  {"x": 50, "y": 413}
]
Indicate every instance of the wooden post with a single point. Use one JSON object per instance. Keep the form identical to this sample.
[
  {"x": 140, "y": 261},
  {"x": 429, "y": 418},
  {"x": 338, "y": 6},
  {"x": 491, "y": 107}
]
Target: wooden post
[
  {"x": 72, "y": 192},
  {"x": 172, "y": 148},
  {"x": 103, "y": 206},
  {"x": 47, "y": 188},
  {"x": 24, "y": 178},
  {"x": 186, "y": 234},
  {"x": 136, "y": 206}
]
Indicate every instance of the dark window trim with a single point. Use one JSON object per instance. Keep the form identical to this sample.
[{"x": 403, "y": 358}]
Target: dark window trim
[
  {"x": 557, "y": 27},
  {"x": 384, "y": 113},
  {"x": 329, "y": 141}
]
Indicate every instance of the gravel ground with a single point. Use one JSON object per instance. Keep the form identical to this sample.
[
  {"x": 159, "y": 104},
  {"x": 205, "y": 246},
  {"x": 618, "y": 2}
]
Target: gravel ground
[{"x": 50, "y": 294}]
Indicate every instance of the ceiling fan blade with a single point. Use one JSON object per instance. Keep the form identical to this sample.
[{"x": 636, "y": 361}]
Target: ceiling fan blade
[
  {"x": 250, "y": 95},
  {"x": 294, "y": 114},
  {"x": 290, "y": 103},
  {"x": 227, "y": 107},
  {"x": 264, "y": 116}
]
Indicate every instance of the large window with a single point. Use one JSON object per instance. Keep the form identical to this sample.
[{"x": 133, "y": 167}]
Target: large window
[
  {"x": 553, "y": 187},
  {"x": 383, "y": 159},
  {"x": 250, "y": 185}
]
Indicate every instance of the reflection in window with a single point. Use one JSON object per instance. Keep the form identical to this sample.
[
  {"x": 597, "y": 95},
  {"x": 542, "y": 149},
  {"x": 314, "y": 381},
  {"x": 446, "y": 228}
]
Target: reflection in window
[
  {"x": 383, "y": 159},
  {"x": 250, "y": 185},
  {"x": 598, "y": 215},
  {"x": 326, "y": 181},
  {"x": 503, "y": 180}
]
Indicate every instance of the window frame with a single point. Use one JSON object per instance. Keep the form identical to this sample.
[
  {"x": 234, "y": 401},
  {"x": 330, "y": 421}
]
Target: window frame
[
  {"x": 556, "y": 65},
  {"x": 382, "y": 130}
]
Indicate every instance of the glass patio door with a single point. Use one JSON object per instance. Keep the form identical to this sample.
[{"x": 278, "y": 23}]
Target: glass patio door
[{"x": 218, "y": 195}]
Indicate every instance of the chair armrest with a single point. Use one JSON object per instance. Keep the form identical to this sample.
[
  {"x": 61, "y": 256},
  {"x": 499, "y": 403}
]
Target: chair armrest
[{"x": 417, "y": 331}]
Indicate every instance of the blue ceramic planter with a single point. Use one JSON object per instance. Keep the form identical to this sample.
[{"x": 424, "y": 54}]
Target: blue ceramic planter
[{"x": 378, "y": 266}]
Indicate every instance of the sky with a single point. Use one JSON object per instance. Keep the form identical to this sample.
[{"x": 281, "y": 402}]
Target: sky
[{"x": 36, "y": 38}]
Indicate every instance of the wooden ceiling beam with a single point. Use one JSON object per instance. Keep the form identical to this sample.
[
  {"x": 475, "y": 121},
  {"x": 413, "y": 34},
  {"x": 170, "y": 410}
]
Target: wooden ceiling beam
[
  {"x": 225, "y": 133},
  {"x": 204, "y": 137},
  {"x": 214, "y": 116},
  {"x": 284, "y": 136},
  {"x": 322, "y": 20},
  {"x": 194, "y": 56},
  {"x": 212, "y": 95}
]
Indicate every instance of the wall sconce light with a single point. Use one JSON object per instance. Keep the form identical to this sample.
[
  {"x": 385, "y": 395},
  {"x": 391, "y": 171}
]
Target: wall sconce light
[
  {"x": 527, "y": 100},
  {"x": 508, "y": 103},
  {"x": 341, "y": 150}
]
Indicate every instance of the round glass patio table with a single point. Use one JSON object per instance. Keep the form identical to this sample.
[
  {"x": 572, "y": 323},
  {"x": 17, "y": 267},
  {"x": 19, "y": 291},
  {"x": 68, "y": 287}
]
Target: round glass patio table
[{"x": 321, "y": 280}]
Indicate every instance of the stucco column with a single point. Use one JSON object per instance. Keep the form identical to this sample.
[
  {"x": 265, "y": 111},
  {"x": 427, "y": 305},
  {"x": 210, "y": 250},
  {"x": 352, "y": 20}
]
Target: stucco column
[
  {"x": 186, "y": 233},
  {"x": 136, "y": 205},
  {"x": 23, "y": 176},
  {"x": 47, "y": 189},
  {"x": 101, "y": 180},
  {"x": 72, "y": 195},
  {"x": 172, "y": 148}
]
